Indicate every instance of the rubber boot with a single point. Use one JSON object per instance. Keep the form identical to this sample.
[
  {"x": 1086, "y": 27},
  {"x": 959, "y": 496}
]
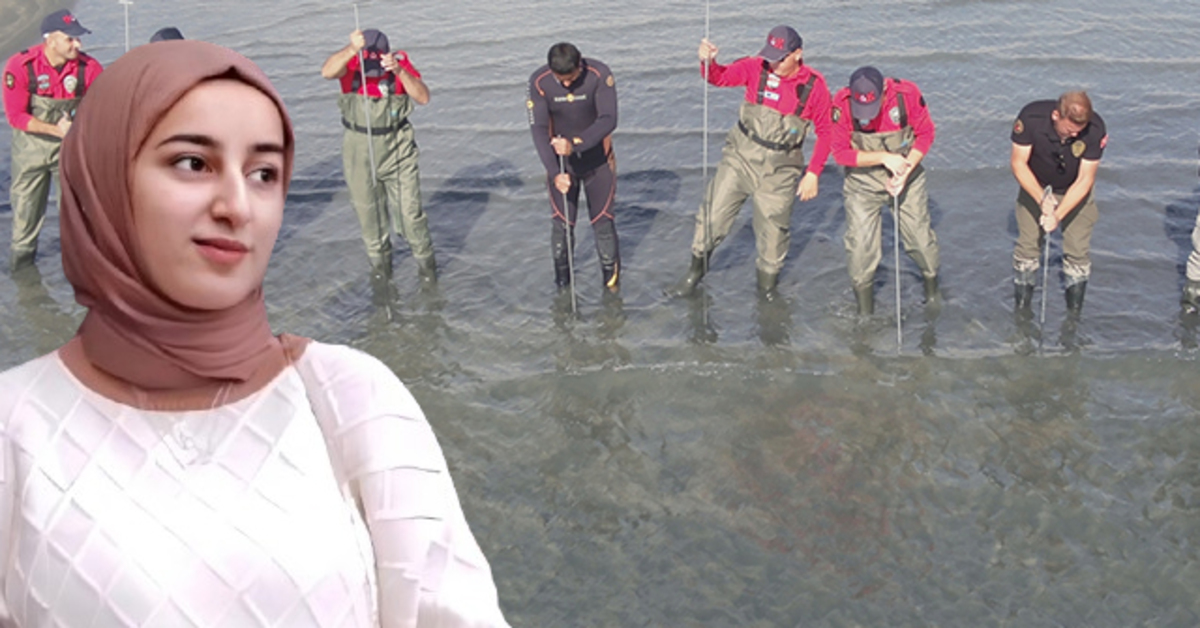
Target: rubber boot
[
  {"x": 381, "y": 268},
  {"x": 427, "y": 270},
  {"x": 933, "y": 296},
  {"x": 686, "y": 286},
  {"x": 865, "y": 296},
  {"x": 612, "y": 277},
  {"x": 1190, "y": 300},
  {"x": 767, "y": 284},
  {"x": 1075, "y": 294},
  {"x": 1023, "y": 284}
]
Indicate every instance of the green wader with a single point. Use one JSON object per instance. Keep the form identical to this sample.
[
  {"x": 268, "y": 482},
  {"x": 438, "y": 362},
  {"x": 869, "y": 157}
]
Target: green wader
[
  {"x": 865, "y": 195},
  {"x": 762, "y": 160},
  {"x": 393, "y": 203},
  {"x": 34, "y": 163}
]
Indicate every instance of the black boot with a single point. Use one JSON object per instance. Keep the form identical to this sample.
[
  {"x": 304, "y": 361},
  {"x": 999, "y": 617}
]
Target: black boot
[
  {"x": 767, "y": 283},
  {"x": 1075, "y": 294},
  {"x": 427, "y": 270},
  {"x": 1190, "y": 300},
  {"x": 612, "y": 277},
  {"x": 865, "y": 296},
  {"x": 1023, "y": 284},
  {"x": 686, "y": 286}
]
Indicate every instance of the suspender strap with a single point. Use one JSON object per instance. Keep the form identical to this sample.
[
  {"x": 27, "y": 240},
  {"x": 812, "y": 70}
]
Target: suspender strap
[
  {"x": 762, "y": 83},
  {"x": 80, "y": 85},
  {"x": 356, "y": 82},
  {"x": 375, "y": 130},
  {"x": 802, "y": 92},
  {"x": 32, "y": 84}
]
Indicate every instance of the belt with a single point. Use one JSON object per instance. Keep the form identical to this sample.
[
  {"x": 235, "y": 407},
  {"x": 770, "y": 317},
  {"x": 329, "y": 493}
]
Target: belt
[
  {"x": 767, "y": 144},
  {"x": 375, "y": 130}
]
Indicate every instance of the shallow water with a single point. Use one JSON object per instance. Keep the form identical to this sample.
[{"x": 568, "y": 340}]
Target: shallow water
[{"x": 718, "y": 463}]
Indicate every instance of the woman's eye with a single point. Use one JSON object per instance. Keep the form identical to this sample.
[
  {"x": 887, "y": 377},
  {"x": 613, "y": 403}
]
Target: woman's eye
[
  {"x": 265, "y": 175},
  {"x": 190, "y": 163}
]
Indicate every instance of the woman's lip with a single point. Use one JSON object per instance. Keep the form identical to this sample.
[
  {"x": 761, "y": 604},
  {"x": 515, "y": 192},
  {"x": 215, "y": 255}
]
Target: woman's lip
[{"x": 221, "y": 250}]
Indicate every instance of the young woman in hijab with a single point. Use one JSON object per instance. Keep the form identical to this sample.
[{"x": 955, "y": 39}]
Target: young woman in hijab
[{"x": 176, "y": 464}]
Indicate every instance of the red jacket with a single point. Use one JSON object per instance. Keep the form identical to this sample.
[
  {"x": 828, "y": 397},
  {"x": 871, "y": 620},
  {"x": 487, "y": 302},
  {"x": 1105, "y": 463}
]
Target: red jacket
[
  {"x": 893, "y": 90},
  {"x": 48, "y": 81}
]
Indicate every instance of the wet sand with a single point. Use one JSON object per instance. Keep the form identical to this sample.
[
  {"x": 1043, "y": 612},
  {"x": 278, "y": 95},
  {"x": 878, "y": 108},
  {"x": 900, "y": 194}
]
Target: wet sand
[{"x": 19, "y": 29}]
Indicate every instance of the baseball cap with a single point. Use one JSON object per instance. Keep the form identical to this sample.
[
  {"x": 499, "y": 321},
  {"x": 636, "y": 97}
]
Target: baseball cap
[
  {"x": 166, "y": 34},
  {"x": 866, "y": 93},
  {"x": 781, "y": 41},
  {"x": 377, "y": 46},
  {"x": 63, "y": 21}
]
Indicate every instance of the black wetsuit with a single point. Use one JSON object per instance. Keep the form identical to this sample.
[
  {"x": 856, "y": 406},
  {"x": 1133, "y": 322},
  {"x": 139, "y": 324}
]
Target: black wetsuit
[{"x": 585, "y": 113}]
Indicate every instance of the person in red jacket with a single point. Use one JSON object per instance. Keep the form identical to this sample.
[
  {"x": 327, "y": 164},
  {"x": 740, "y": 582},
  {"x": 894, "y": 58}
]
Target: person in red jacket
[
  {"x": 43, "y": 85},
  {"x": 763, "y": 158},
  {"x": 881, "y": 132}
]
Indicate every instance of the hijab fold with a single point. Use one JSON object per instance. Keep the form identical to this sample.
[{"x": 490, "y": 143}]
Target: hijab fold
[{"x": 132, "y": 330}]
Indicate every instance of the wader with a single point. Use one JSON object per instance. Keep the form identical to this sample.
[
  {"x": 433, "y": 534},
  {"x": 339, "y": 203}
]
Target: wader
[
  {"x": 761, "y": 160},
  {"x": 393, "y": 204},
  {"x": 1076, "y": 243},
  {"x": 865, "y": 193},
  {"x": 34, "y": 162}
]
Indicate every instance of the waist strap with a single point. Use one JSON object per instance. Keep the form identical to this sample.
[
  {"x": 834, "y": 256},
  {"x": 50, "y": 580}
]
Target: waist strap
[
  {"x": 375, "y": 130},
  {"x": 768, "y": 144}
]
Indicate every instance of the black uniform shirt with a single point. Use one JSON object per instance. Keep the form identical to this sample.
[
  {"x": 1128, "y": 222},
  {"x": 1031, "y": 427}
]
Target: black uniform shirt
[{"x": 1054, "y": 162}]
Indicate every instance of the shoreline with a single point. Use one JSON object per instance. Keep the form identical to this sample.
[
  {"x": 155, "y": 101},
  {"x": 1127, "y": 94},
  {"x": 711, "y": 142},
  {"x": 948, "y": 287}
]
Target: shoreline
[{"x": 25, "y": 16}]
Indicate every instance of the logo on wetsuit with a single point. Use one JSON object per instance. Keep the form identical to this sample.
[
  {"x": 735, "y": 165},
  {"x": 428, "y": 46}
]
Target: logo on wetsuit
[{"x": 570, "y": 98}]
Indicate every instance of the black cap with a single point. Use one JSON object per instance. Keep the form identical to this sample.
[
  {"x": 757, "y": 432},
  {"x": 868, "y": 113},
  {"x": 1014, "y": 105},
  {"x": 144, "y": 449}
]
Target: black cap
[
  {"x": 377, "y": 46},
  {"x": 65, "y": 22},
  {"x": 166, "y": 34},
  {"x": 866, "y": 93},
  {"x": 781, "y": 41}
]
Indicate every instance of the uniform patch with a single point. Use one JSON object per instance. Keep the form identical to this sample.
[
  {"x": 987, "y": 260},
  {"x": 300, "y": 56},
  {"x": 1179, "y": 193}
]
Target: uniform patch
[
  {"x": 837, "y": 114},
  {"x": 609, "y": 81},
  {"x": 43, "y": 82},
  {"x": 528, "y": 104},
  {"x": 1077, "y": 148},
  {"x": 1018, "y": 127},
  {"x": 70, "y": 83},
  {"x": 894, "y": 114},
  {"x": 9, "y": 80},
  {"x": 1104, "y": 141},
  {"x": 771, "y": 96},
  {"x": 570, "y": 97},
  {"x": 383, "y": 89}
]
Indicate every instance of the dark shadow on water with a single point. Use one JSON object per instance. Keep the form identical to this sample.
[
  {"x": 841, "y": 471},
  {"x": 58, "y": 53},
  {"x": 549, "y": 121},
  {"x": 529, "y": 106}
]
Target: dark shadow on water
[
  {"x": 641, "y": 195},
  {"x": 463, "y": 198},
  {"x": 1179, "y": 218}
]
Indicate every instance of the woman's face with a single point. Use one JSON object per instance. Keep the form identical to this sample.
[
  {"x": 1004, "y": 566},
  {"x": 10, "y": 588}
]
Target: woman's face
[{"x": 208, "y": 194}]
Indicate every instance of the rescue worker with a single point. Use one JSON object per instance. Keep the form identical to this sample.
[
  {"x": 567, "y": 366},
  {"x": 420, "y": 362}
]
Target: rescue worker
[
  {"x": 43, "y": 85},
  {"x": 572, "y": 104},
  {"x": 763, "y": 158},
  {"x": 166, "y": 33},
  {"x": 1057, "y": 144},
  {"x": 1190, "y": 301},
  {"x": 881, "y": 132},
  {"x": 390, "y": 199}
]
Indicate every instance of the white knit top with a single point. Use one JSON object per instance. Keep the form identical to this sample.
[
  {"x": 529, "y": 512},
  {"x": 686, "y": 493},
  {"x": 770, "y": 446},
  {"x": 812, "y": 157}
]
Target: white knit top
[{"x": 321, "y": 500}]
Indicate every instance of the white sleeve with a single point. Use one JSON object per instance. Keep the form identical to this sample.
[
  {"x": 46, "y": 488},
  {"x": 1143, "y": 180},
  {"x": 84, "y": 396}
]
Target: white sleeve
[{"x": 430, "y": 570}]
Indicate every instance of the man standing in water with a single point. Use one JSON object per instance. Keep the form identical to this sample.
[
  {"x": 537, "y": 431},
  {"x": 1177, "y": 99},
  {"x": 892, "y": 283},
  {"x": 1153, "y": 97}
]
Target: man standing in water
[
  {"x": 1056, "y": 144},
  {"x": 43, "y": 85},
  {"x": 762, "y": 159},
  {"x": 572, "y": 103},
  {"x": 882, "y": 131},
  {"x": 385, "y": 193}
]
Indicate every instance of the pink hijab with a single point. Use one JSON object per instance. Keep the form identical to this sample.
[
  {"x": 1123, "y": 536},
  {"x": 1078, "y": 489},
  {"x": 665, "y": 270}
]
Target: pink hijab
[{"x": 132, "y": 331}]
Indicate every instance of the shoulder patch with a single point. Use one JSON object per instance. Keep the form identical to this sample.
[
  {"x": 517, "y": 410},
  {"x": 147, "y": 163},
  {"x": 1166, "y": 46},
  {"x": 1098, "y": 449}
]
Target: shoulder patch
[
  {"x": 836, "y": 113},
  {"x": 1104, "y": 141},
  {"x": 610, "y": 81},
  {"x": 1018, "y": 127},
  {"x": 9, "y": 80},
  {"x": 1077, "y": 148},
  {"x": 922, "y": 100}
]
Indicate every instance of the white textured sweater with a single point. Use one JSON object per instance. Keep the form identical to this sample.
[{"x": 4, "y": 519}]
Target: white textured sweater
[{"x": 321, "y": 500}]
